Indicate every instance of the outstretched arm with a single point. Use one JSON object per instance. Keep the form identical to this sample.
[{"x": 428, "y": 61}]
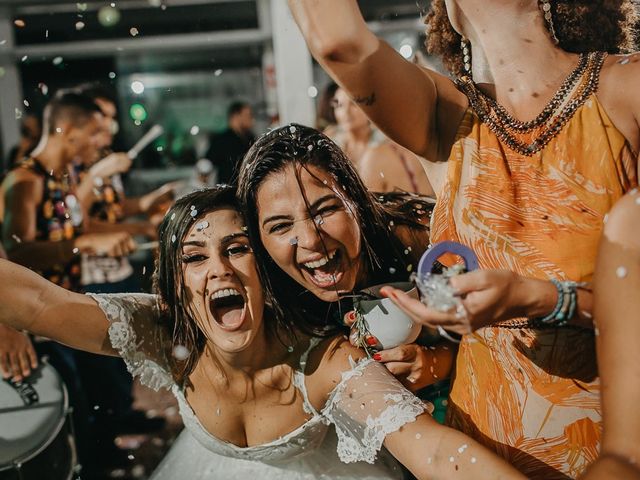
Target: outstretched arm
[
  {"x": 617, "y": 317},
  {"x": 397, "y": 95},
  {"x": 369, "y": 407},
  {"x": 29, "y": 302}
]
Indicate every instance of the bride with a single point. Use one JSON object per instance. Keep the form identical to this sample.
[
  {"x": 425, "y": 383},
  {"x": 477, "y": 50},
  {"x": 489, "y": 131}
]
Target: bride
[{"x": 257, "y": 397}]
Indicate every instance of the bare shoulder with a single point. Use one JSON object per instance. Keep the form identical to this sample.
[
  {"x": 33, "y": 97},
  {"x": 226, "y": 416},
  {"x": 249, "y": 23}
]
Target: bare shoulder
[
  {"x": 619, "y": 95},
  {"x": 332, "y": 357}
]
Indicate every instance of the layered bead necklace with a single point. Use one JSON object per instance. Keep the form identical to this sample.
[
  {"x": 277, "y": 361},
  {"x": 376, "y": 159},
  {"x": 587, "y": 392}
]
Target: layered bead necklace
[{"x": 574, "y": 92}]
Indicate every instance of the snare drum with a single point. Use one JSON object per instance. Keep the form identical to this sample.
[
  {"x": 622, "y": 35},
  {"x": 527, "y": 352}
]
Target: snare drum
[{"x": 36, "y": 433}]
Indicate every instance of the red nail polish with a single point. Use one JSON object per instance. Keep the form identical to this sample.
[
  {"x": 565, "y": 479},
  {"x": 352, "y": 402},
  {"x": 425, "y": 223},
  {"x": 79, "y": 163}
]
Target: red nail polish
[
  {"x": 351, "y": 315},
  {"x": 371, "y": 341},
  {"x": 377, "y": 357}
]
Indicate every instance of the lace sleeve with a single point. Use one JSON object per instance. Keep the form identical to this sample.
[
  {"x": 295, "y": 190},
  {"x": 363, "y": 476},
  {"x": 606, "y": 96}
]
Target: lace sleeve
[
  {"x": 135, "y": 333},
  {"x": 367, "y": 405}
]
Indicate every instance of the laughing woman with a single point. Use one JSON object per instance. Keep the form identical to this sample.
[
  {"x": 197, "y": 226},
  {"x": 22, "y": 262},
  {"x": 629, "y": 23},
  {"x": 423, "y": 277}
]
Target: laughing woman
[
  {"x": 530, "y": 143},
  {"x": 258, "y": 398}
]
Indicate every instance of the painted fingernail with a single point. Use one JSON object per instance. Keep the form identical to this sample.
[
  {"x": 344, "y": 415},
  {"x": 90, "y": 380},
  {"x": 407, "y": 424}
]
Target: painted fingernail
[
  {"x": 371, "y": 341},
  {"x": 377, "y": 357},
  {"x": 351, "y": 315}
]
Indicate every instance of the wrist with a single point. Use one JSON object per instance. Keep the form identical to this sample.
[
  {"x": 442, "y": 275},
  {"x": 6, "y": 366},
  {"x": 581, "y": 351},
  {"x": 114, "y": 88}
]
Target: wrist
[{"x": 538, "y": 297}]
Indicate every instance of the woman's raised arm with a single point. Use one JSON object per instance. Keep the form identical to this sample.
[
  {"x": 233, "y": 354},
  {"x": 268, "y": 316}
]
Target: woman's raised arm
[{"x": 397, "y": 95}]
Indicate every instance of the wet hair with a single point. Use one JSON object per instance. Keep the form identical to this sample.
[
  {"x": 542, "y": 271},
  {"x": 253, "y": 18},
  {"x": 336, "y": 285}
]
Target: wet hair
[
  {"x": 236, "y": 108},
  {"x": 383, "y": 255},
  {"x": 580, "y": 25},
  {"x": 177, "y": 316},
  {"x": 69, "y": 106}
]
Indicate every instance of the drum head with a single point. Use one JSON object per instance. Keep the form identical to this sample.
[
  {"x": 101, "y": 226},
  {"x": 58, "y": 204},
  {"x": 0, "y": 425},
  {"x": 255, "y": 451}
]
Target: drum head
[{"x": 24, "y": 430}]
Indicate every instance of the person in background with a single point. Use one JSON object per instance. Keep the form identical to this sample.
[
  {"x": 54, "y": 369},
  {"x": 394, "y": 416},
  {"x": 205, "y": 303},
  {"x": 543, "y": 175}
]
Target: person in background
[
  {"x": 42, "y": 230},
  {"x": 226, "y": 149},
  {"x": 326, "y": 118},
  {"x": 375, "y": 157},
  {"x": 30, "y": 133}
]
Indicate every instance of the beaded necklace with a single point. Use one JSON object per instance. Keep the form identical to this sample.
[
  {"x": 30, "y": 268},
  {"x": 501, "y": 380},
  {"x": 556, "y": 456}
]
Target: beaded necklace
[{"x": 580, "y": 83}]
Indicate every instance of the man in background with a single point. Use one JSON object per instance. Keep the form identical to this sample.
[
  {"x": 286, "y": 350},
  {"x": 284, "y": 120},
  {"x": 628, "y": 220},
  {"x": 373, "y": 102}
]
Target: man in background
[{"x": 226, "y": 149}]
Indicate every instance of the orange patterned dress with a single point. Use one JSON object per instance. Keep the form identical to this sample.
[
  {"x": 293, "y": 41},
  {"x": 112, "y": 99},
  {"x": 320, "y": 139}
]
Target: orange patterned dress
[{"x": 533, "y": 395}]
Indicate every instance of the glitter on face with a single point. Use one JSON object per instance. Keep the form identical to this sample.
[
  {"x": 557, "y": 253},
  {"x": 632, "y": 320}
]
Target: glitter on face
[{"x": 202, "y": 225}]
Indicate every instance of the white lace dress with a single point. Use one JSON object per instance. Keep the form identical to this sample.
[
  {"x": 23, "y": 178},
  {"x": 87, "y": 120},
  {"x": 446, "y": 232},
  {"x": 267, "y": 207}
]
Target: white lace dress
[{"x": 342, "y": 441}]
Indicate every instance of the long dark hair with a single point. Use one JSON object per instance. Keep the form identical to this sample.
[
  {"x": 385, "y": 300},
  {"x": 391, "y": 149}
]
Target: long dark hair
[
  {"x": 177, "y": 316},
  {"x": 383, "y": 255}
]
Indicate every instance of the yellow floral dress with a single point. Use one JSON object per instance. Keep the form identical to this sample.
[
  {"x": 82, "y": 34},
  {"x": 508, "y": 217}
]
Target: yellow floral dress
[{"x": 532, "y": 395}]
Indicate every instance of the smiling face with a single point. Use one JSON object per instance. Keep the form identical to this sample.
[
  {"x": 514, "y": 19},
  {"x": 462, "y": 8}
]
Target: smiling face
[
  {"x": 318, "y": 246},
  {"x": 221, "y": 282}
]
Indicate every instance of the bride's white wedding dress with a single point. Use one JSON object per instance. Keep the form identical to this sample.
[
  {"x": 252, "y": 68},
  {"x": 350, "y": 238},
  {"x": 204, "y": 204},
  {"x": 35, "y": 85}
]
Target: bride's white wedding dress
[{"x": 342, "y": 441}]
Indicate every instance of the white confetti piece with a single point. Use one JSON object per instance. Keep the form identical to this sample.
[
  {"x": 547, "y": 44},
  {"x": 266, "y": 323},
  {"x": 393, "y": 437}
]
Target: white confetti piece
[
  {"x": 180, "y": 352},
  {"x": 621, "y": 272}
]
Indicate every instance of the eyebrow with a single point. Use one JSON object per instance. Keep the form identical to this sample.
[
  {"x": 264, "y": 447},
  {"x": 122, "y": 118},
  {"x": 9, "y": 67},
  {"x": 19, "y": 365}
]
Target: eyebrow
[
  {"x": 313, "y": 206},
  {"x": 226, "y": 239}
]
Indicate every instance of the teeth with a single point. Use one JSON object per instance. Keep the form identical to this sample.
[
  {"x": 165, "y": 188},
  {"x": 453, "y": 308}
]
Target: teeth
[
  {"x": 323, "y": 261},
  {"x": 225, "y": 292}
]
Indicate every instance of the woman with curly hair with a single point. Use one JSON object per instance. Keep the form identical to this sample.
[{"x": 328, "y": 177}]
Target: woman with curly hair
[{"x": 527, "y": 149}]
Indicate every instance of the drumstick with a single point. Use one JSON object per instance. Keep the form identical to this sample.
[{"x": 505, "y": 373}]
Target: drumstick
[{"x": 147, "y": 138}]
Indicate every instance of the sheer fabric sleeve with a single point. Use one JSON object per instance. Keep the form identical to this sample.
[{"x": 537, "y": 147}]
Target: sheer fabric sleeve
[
  {"x": 367, "y": 405},
  {"x": 136, "y": 334}
]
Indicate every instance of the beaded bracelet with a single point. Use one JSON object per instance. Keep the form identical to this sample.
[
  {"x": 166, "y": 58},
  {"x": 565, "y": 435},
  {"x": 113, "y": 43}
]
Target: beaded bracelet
[{"x": 565, "y": 307}]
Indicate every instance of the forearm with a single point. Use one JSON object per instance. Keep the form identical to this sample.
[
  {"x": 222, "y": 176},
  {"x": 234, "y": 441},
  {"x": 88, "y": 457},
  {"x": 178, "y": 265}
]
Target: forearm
[
  {"x": 395, "y": 94},
  {"x": 131, "y": 206},
  {"x": 29, "y": 302},
  {"x": 132, "y": 228},
  {"x": 432, "y": 451},
  {"x": 42, "y": 255}
]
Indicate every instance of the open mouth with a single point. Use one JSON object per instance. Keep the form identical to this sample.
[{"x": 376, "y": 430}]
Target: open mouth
[
  {"x": 228, "y": 308},
  {"x": 323, "y": 272}
]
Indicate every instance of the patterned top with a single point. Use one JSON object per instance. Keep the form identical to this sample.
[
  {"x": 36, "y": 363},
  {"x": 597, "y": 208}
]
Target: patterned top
[
  {"x": 533, "y": 395},
  {"x": 57, "y": 220}
]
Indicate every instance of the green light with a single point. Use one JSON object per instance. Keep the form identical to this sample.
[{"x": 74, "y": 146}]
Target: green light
[{"x": 138, "y": 112}]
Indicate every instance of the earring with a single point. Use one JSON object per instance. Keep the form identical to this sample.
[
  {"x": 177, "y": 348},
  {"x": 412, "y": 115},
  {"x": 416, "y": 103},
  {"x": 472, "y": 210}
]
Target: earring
[
  {"x": 465, "y": 46},
  {"x": 546, "y": 10}
]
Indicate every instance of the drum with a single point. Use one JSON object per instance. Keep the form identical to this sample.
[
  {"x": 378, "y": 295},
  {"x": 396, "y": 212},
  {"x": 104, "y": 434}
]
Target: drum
[{"x": 36, "y": 433}]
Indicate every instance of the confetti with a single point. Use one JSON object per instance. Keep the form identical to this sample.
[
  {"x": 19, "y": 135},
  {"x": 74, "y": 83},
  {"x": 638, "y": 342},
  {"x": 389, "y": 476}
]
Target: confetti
[
  {"x": 218, "y": 72},
  {"x": 16, "y": 238},
  {"x": 80, "y": 25},
  {"x": 173, "y": 215},
  {"x": 463, "y": 448},
  {"x": 292, "y": 129},
  {"x": 392, "y": 270},
  {"x": 134, "y": 32},
  {"x": 19, "y": 23},
  {"x": 452, "y": 459},
  {"x": 621, "y": 272},
  {"x": 418, "y": 436},
  {"x": 180, "y": 353},
  {"x": 194, "y": 213},
  {"x": 202, "y": 225},
  {"x": 293, "y": 241},
  {"x": 473, "y": 460},
  {"x": 57, "y": 61},
  {"x": 173, "y": 239}
]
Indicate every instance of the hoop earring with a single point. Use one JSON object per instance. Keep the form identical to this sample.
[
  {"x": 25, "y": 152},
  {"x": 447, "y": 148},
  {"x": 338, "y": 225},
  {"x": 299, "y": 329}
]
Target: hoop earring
[
  {"x": 465, "y": 46},
  {"x": 546, "y": 11}
]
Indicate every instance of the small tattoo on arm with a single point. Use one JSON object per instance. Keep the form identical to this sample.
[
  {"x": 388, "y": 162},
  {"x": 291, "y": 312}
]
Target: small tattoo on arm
[{"x": 366, "y": 101}]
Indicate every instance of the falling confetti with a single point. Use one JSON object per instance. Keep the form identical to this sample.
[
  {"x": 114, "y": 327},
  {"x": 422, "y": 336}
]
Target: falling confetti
[
  {"x": 218, "y": 72},
  {"x": 82, "y": 7},
  {"x": 293, "y": 241},
  {"x": 80, "y": 25},
  {"x": 473, "y": 460},
  {"x": 180, "y": 353},
  {"x": 57, "y": 60},
  {"x": 134, "y": 32},
  {"x": 16, "y": 238},
  {"x": 418, "y": 436},
  {"x": 108, "y": 16},
  {"x": 463, "y": 448},
  {"x": 292, "y": 129},
  {"x": 173, "y": 239},
  {"x": 194, "y": 213},
  {"x": 44, "y": 89},
  {"x": 621, "y": 272},
  {"x": 173, "y": 215},
  {"x": 392, "y": 270},
  {"x": 195, "y": 130},
  {"x": 19, "y": 23}
]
